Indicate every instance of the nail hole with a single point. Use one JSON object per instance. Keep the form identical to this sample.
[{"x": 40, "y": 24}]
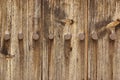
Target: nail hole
[
  {"x": 71, "y": 22},
  {"x": 70, "y": 48},
  {"x": 118, "y": 19}
]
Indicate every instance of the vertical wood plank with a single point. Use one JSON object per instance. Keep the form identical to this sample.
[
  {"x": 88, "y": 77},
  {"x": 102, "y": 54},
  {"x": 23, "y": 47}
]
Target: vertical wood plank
[
  {"x": 115, "y": 53},
  {"x": 55, "y": 67},
  {"x": 25, "y": 40},
  {"x": 20, "y": 43},
  {"x": 100, "y": 53},
  {"x": 45, "y": 26},
  {"x": 81, "y": 16},
  {"x": 70, "y": 45},
  {"x": 14, "y": 48},
  {"x": 56, "y": 58},
  {"x": 3, "y": 66},
  {"x": 0, "y": 37},
  {"x": 51, "y": 50},
  {"x": 6, "y": 45}
]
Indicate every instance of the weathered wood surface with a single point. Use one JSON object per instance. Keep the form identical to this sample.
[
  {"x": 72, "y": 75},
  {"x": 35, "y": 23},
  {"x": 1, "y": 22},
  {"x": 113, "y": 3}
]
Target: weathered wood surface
[
  {"x": 103, "y": 61},
  {"x": 56, "y": 40}
]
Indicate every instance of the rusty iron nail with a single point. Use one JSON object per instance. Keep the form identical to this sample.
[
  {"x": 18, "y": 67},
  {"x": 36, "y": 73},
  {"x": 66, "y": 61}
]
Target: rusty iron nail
[
  {"x": 112, "y": 36},
  {"x": 81, "y": 36},
  {"x": 7, "y": 35},
  {"x": 51, "y": 36},
  {"x": 94, "y": 36},
  {"x": 35, "y": 36},
  {"x": 67, "y": 36},
  {"x": 20, "y": 35}
]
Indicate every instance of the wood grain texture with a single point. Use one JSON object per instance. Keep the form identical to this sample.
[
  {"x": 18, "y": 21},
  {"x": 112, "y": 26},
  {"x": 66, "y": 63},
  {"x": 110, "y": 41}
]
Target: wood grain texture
[
  {"x": 116, "y": 51},
  {"x": 52, "y": 56},
  {"x": 101, "y": 52}
]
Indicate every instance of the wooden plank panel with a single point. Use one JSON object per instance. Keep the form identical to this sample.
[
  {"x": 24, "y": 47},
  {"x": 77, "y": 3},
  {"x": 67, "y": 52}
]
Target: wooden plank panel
[
  {"x": 14, "y": 48},
  {"x": 5, "y": 69},
  {"x": 70, "y": 55},
  {"x": 46, "y": 25},
  {"x": 54, "y": 12},
  {"x": 31, "y": 56},
  {"x": 21, "y": 42},
  {"x": 25, "y": 40},
  {"x": 34, "y": 43},
  {"x": 81, "y": 16},
  {"x": 2, "y": 72},
  {"x": 101, "y": 51},
  {"x": 51, "y": 37},
  {"x": 54, "y": 56},
  {"x": 116, "y": 51}
]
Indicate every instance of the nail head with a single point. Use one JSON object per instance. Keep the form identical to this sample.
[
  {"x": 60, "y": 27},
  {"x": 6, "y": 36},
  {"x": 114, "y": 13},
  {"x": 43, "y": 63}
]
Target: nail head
[
  {"x": 51, "y": 36},
  {"x": 67, "y": 36},
  {"x": 7, "y": 36},
  {"x": 94, "y": 36},
  {"x": 81, "y": 36},
  {"x": 20, "y": 36},
  {"x": 0, "y": 34},
  {"x": 112, "y": 36},
  {"x": 35, "y": 36}
]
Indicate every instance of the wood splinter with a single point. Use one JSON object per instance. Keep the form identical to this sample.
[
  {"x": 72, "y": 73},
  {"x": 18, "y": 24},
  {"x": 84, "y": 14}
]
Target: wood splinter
[
  {"x": 111, "y": 28},
  {"x": 66, "y": 21}
]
